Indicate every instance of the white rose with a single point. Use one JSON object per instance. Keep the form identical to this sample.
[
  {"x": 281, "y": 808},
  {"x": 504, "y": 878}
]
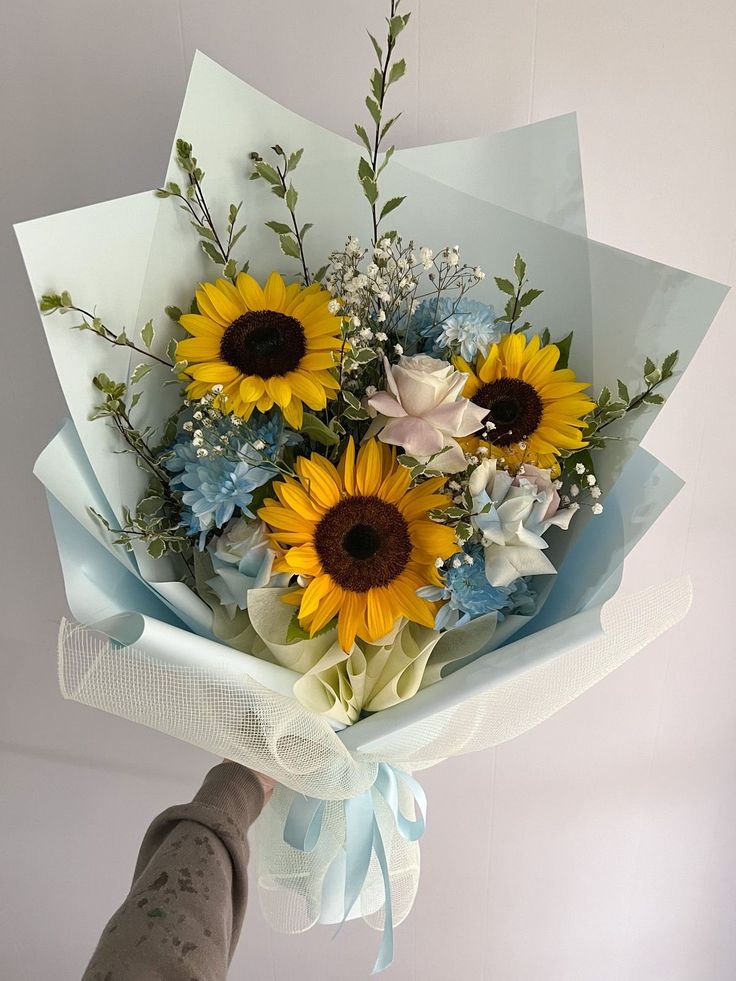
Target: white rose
[{"x": 424, "y": 411}]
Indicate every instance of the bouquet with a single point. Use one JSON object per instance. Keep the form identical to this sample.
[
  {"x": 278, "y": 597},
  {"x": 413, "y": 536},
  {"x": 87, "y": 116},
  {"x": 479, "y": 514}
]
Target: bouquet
[{"x": 351, "y": 505}]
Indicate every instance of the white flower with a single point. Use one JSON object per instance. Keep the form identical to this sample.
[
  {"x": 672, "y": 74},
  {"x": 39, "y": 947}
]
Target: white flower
[
  {"x": 591, "y": 479},
  {"x": 597, "y": 509},
  {"x": 424, "y": 411},
  {"x": 426, "y": 256},
  {"x": 381, "y": 336},
  {"x": 453, "y": 257},
  {"x": 333, "y": 306},
  {"x": 399, "y": 349},
  {"x": 381, "y": 316},
  {"x": 574, "y": 490},
  {"x": 478, "y": 273},
  {"x": 595, "y": 492},
  {"x": 242, "y": 559},
  {"x": 512, "y": 515},
  {"x": 579, "y": 468}
]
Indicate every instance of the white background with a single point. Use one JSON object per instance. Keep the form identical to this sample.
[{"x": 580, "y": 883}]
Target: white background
[{"x": 598, "y": 847}]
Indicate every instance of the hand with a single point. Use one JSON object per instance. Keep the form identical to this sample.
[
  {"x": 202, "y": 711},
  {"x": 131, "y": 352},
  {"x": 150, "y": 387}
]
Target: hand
[{"x": 267, "y": 783}]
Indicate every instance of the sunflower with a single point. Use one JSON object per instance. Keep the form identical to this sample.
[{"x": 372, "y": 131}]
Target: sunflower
[
  {"x": 267, "y": 345},
  {"x": 362, "y": 538},
  {"x": 535, "y": 412}
]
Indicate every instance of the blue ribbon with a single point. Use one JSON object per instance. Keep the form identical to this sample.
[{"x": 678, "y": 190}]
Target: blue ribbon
[{"x": 363, "y": 838}]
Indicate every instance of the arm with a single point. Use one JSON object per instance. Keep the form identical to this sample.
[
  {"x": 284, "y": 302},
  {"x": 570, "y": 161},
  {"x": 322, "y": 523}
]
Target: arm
[{"x": 183, "y": 914}]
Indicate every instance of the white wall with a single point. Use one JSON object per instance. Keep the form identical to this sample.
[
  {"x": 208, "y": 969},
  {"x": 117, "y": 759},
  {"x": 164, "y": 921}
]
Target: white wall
[{"x": 600, "y": 846}]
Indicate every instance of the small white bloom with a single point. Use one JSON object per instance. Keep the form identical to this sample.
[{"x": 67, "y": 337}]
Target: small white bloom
[
  {"x": 333, "y": 306},
  {"x": 216, "y": 389},
  {"x": 490, "y": 426},
  {"x": 197, "y": 415},
  {"x": 591, "y": 479},
  {"x": 187, "y": 427},
  {"x": 439, "y": 562},
  {"x": 452, "y": 258},
  {"x": 381, "y": 336},
  {"x": 370, "y": 390},
  {"x": 456, "y": 563},
  {"x": 372, "y": 270},
  {"x": 398, "y": 349},
  {"x": 202, "y": 452},
  {"x": 574, "y": 490},
  {"x": 597, "y": 509},
  {"x": 579, "y": 468},
  {"x": 574, "y": 506},
  {"x": 426, "y": 256},
  {"x": 381, "y": 316},
  {"x": 259, "y": 445},
  {"x": 356, "y": 321},
  {"x": 478, "y": 273},
  {"x": 366, "y": 333},
  {"x": 469, "y": 560},
  {"x": 595, "y": 492}
]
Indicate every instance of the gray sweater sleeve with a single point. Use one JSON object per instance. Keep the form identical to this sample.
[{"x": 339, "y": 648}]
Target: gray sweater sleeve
[{"x": 182, "y": 917}]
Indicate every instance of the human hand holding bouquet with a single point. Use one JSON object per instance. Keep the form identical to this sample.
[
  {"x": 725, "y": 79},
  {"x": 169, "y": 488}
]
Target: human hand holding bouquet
[{"x": 339, "y": 525}]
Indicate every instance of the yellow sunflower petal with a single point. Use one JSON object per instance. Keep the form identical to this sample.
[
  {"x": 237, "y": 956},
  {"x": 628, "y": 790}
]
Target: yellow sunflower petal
[
  {"x": 274, "y": 292},
  {"x": 250, "y": 291},
  {"x": 368, "y": 470},
  {"x": 294, "y": 413}
]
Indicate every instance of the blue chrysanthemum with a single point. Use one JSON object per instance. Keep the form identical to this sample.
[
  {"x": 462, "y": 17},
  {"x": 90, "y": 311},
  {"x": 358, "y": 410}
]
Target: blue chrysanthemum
[
  {"x": 468, "y": 325},
  {"x": 215, "y": 485},
  {"x": 467, "y": 593}
]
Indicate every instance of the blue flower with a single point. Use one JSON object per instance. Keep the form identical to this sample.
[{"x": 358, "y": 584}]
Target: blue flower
[
  {"x": 215, "y": 485},
  {"x": 467, "y": 592},
  {"x": 467, "y": 325}
]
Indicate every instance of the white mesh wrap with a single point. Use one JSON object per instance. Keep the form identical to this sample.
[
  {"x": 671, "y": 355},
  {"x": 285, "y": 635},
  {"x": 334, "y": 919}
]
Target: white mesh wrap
[{"x": 232, "y": 716}]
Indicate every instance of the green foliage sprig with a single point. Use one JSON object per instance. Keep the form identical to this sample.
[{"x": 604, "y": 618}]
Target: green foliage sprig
[
  {"x": 215, "y": 246},
  {"x": 611, "y": 408},
  {"x": 384, "y": 76},
  {"x": 62, "y": 303},
  {"x": 291, "y": 237},
  {"x": 518, "y": 297}
]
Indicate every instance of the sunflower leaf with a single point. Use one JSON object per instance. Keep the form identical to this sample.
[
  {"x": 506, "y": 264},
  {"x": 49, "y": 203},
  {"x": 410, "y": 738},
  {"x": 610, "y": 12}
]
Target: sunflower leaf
[{"x": 564, "y": 348}]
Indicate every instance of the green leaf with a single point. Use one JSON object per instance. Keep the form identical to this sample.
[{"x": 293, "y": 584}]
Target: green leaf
[
  {"x": 231, "y": 270},
  {"x": 171, "y": 349},
  {"x": 214, "y": 253},
  {"x": 387, "y": 125},
  {"x": 669, "y": 363},
  {"x": 318, "y": 431},
  {"x": 237, "y": 235},
  {"x": 605, "y": 397},
  {"x": 365, "y": 170},
  {"x": 390, "y": 206},
  {"x": 377, "y": 85},
  {"x": 294, "y": 159},
  {"x": 305, "y": 228},
  {"x": 296, "y": 632},
  {"x": 653, "y": 399},
  {"x": 279, "y": 227},
  {"x": 370, "y": 189},
  {"x": 623, "y": 392},
  {"x": 529, "y": 297},
  {"x": 49, "y": 302},
  {"x": 289, "y": 246},
  {"x": 397, "y": 71},
  {"x": 66, "y": 299},
  {"x": 505, "y": 285},
  {"x": 351, "y": 400},
  {"x": 156, "y": 549},
  {"x": 140, "y": 371},
  {"x": 564, "y": 347},
  {"x": 147, "y": 331},
  {"x": 291, "y": 198},
  {"x": 396, "y": 25},
  {"x": 387, "y": 156},
  {"x": 519, "y": 267},
  {"x": 377, "y": 48},
  {"x": 544, "y": 337},
  {"x": 173, "y": 313},
  {"x": 649, "y": 366},
  {"x": 374, "y": 109},
  {"x": 360, "y": 130},
  {"x": 364, "y": 356},
  {"x": 267, "y": 172},
  {"x": 320, "y": 274}
]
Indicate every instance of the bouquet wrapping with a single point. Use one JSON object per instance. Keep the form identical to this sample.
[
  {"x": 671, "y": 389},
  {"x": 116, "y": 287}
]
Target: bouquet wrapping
[{"x": 342, "y": 717}]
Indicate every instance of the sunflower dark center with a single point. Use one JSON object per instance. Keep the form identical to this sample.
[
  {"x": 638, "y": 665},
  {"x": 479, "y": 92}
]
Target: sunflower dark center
[
  {"x": 514, "y": 408},
  {"x": 263, "y": 343},
  {"x": 363, "y": 543}
]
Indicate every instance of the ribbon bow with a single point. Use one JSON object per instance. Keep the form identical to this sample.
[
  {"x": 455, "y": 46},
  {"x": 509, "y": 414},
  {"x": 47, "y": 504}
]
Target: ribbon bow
[{"x": 349, "y": 869}]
